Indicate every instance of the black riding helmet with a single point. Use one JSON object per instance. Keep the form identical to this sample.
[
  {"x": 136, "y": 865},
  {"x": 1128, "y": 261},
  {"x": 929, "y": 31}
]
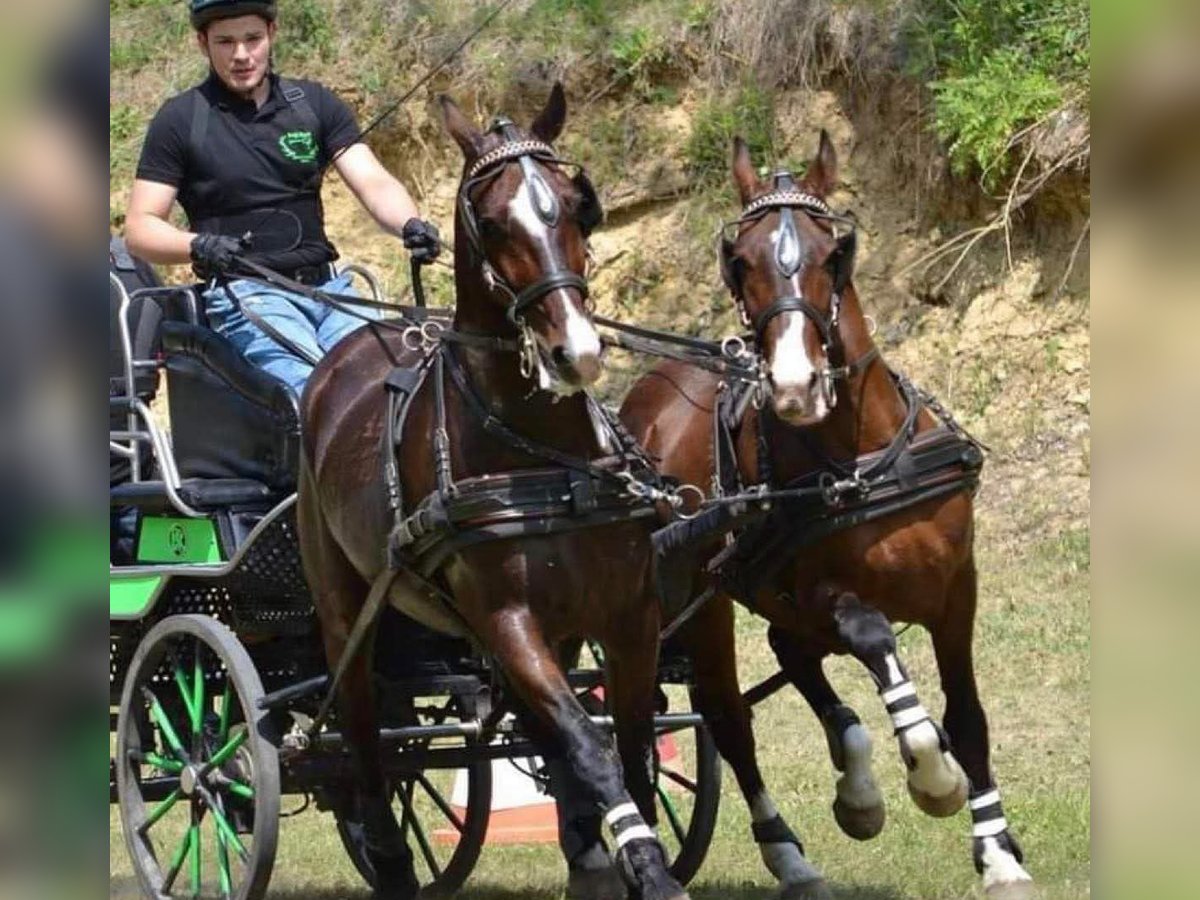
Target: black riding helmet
[{"x": 206, "y": 11}]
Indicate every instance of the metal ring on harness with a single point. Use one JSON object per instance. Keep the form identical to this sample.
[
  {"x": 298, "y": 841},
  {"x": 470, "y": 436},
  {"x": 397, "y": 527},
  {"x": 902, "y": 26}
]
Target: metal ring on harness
[
  {"x": 432, "y": 331},
  {"x": 411, "y": 338},
  {"x": 734, "y": 347},
  {"x": 679, "y": 492}
]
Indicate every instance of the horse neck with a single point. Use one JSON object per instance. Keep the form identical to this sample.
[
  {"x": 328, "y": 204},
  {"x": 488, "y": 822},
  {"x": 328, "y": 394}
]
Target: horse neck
[
  {"x": 559, "y": 422},
  {"x": 870, "y": 409}
]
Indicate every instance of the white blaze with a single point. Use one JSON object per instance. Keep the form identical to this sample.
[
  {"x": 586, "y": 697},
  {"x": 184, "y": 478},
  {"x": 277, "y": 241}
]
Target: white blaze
[
  {"x": 791, "y": 368},
  {"x": 580, "y": 336}
]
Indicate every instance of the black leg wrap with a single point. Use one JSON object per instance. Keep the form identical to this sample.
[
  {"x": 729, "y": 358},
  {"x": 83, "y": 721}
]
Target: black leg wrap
[
  {"x": 775, "y": 831},
  {"x": 835, "y": 721}
]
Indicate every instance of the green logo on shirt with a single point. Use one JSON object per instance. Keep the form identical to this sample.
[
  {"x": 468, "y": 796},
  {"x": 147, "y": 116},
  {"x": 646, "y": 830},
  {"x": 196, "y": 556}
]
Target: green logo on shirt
[{"x": 299, "y": 146}]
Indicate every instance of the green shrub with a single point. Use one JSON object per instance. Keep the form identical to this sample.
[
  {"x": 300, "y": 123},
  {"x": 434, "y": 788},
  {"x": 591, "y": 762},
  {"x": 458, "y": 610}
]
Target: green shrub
[
  {"x": 750, "y": 113},
  {"x": 305, "y": 30},
  {"x": 995, "y": 67}
]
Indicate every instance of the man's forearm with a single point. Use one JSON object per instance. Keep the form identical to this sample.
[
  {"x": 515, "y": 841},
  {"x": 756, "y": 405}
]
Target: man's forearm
[
  {"x": 157, "y": 241},
  {"x": 389, "y": 204}
]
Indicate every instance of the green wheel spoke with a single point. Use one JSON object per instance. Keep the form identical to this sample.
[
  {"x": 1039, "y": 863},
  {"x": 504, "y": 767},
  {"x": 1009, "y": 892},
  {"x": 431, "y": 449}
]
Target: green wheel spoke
[
  {"x": 177, "y": 862},
  {"x": 241, "y": 789},
  {"x": 173, "y": 766},
  {"x": 198, "y": 688},
  {"x": 227, "y": 750},
  {"x": 164, "y": 724},
  {"x": 231, "y": 838},
  {"x": 194, "y": 831},
  {"x": 161, "y": 810},
  {"x": 672, "y": 814},
  {"x": 185, "y": 692},
  {"x": 222, "y": 859}
]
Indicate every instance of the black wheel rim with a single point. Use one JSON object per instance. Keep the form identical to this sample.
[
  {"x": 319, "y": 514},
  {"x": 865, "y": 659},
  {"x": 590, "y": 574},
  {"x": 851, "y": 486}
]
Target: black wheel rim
[{"x": 687, "y": 790}]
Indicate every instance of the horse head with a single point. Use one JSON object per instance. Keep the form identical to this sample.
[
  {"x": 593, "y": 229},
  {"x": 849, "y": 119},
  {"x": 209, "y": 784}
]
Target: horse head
[
  {"x": 522, "y": 226},
  {"x": 786, "y": 268}
]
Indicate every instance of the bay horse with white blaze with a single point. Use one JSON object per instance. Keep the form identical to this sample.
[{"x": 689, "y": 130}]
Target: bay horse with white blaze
[
  {"x": 888, "y": 539},
  {"x": 525, "y": 585}
]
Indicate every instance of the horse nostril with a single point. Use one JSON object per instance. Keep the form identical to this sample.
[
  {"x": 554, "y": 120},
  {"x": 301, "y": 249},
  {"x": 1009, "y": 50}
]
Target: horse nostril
[{"x": 559, "y": 356}]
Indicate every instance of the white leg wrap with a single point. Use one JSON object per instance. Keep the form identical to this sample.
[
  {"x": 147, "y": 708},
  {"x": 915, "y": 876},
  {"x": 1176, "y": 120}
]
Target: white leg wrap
[
  {"x": 857, "y": 787},
  {"x": 783, "y": 859},
  {"x": 933, "y": 775},
  {"x": 1000, "y": 866},
  {"x": 626, "y": 824}
]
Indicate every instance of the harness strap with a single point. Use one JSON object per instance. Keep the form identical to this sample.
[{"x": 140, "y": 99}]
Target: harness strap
[
  {"x": 497, "y": 428},
  {"x": 367, "y": 618}
]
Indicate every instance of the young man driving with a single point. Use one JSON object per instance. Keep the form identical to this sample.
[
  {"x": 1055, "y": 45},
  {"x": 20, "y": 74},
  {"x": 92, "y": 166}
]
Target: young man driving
[{"x": 243, "y": 154}]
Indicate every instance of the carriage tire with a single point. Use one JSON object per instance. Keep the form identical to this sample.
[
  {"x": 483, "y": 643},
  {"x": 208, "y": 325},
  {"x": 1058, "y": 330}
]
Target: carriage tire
[
  {"x": 250, "y": 762},
  {"x": 466, "y": 851},
  {"x": 702, "y": 825}
]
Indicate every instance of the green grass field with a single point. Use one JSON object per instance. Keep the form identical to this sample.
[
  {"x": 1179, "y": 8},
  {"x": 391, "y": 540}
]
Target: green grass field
[{"x": 1033, "y": 663}]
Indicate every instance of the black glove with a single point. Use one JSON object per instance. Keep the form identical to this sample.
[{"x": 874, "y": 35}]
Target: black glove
[
  {"x": 421, "y": 239},
  {"x": 213, "y": 254}
]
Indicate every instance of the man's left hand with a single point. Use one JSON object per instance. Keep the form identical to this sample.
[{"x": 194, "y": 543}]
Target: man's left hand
[{"x": 422, "y": 240}]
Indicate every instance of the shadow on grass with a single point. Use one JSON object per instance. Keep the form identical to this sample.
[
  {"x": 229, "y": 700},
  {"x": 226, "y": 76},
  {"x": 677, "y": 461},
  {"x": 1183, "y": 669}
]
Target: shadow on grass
[{"x": 708, "y": 891}]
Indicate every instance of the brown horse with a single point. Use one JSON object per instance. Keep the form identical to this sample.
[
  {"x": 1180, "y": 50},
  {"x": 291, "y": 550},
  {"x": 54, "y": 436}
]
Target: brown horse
[
  {"x": 832, "y": 400},
  {"x": 521, "y": 322}
]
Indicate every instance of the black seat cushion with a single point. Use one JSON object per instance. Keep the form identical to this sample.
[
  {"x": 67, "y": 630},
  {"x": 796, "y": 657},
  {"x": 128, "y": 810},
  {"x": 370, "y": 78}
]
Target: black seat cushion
[
  {"x": 229, "y": 419},
  {"x": 198, "y": 493}
]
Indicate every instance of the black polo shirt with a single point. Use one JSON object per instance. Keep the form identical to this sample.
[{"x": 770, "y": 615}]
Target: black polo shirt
[{"x": 250, "y": 167}]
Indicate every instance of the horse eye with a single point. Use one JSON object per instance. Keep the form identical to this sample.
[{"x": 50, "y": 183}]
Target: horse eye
[{"x": 490, "y": 228}]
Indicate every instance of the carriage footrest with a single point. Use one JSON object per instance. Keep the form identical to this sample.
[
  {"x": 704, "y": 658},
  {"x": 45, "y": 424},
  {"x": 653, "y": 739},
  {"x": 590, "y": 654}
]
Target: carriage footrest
[{"x": 199, "y": 493}]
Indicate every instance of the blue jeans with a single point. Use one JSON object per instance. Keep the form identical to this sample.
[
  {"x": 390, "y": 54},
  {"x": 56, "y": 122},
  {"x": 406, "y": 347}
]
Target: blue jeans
[{"x": 307, "y": 323}]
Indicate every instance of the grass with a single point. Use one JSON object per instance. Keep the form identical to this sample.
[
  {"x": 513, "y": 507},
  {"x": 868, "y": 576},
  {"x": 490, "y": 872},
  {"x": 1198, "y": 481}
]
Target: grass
[{"x": 1032, "y": 660}]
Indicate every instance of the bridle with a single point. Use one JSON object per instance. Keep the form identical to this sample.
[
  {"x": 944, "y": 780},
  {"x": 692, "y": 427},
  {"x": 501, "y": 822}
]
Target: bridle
[
  {"x": 787, "y": 197},
  {"x": 545, "y": 204}
]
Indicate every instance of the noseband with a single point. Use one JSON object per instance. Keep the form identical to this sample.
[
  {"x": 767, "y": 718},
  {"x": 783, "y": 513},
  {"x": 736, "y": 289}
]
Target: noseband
[{"x": 545, "y": 205}]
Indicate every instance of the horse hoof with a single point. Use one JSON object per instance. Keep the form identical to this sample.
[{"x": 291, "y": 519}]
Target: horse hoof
[
  {"x": 816, "y": 889},
  {"x": 947, "y": 804},
  {"x": 596, "y": 884},
  {"x": 1011, "y": 890},
  {"x": 860, "y": 824}
]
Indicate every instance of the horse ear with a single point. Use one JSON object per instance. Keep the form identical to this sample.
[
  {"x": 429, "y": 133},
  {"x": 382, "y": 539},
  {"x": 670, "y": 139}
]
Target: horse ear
[
  {"x": 743, "y": 171},
  {"x": 821, "y": 177},
  {"x": 549, "y": 123},
  {"x": 841, "y": 261},
  {"x": 466, "y": 135}
]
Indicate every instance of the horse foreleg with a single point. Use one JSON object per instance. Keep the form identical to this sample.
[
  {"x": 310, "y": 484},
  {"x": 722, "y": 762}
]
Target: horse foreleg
[
  {"x": 591, "y": 872},
  {"x": 858, "y": 804},
  {"x": 515, "y": 639},
  {"x": 339, "y": 594},
  {"x": 936, "y": 781},
  {"x": 709, "y": 640},
  {"x": 998, "y": 856}
]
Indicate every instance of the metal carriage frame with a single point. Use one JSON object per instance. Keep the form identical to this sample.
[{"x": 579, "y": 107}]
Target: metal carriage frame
[{"x": 216, "y": 669}]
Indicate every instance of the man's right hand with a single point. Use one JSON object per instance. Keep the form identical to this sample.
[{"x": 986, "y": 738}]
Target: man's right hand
[{"x": 214, "y": 254}]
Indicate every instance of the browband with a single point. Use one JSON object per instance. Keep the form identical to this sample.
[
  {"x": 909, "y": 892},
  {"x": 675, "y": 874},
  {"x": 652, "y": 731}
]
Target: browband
[{"x": 511, "y": 150}]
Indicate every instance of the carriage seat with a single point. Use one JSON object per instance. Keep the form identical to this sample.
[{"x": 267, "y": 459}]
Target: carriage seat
[{"x": 229, "y": 419}]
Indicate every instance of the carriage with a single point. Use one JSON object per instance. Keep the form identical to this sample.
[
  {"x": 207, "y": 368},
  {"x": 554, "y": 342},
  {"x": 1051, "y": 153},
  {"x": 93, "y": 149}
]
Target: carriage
[{"x": 216, "y": 672}]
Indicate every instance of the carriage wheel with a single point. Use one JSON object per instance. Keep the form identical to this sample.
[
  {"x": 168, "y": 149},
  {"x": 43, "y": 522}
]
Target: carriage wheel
[
  {"x": 197, "y": 777},
  {"x": 688, "y": 791},
  {"x": 445, "y": 837}
]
